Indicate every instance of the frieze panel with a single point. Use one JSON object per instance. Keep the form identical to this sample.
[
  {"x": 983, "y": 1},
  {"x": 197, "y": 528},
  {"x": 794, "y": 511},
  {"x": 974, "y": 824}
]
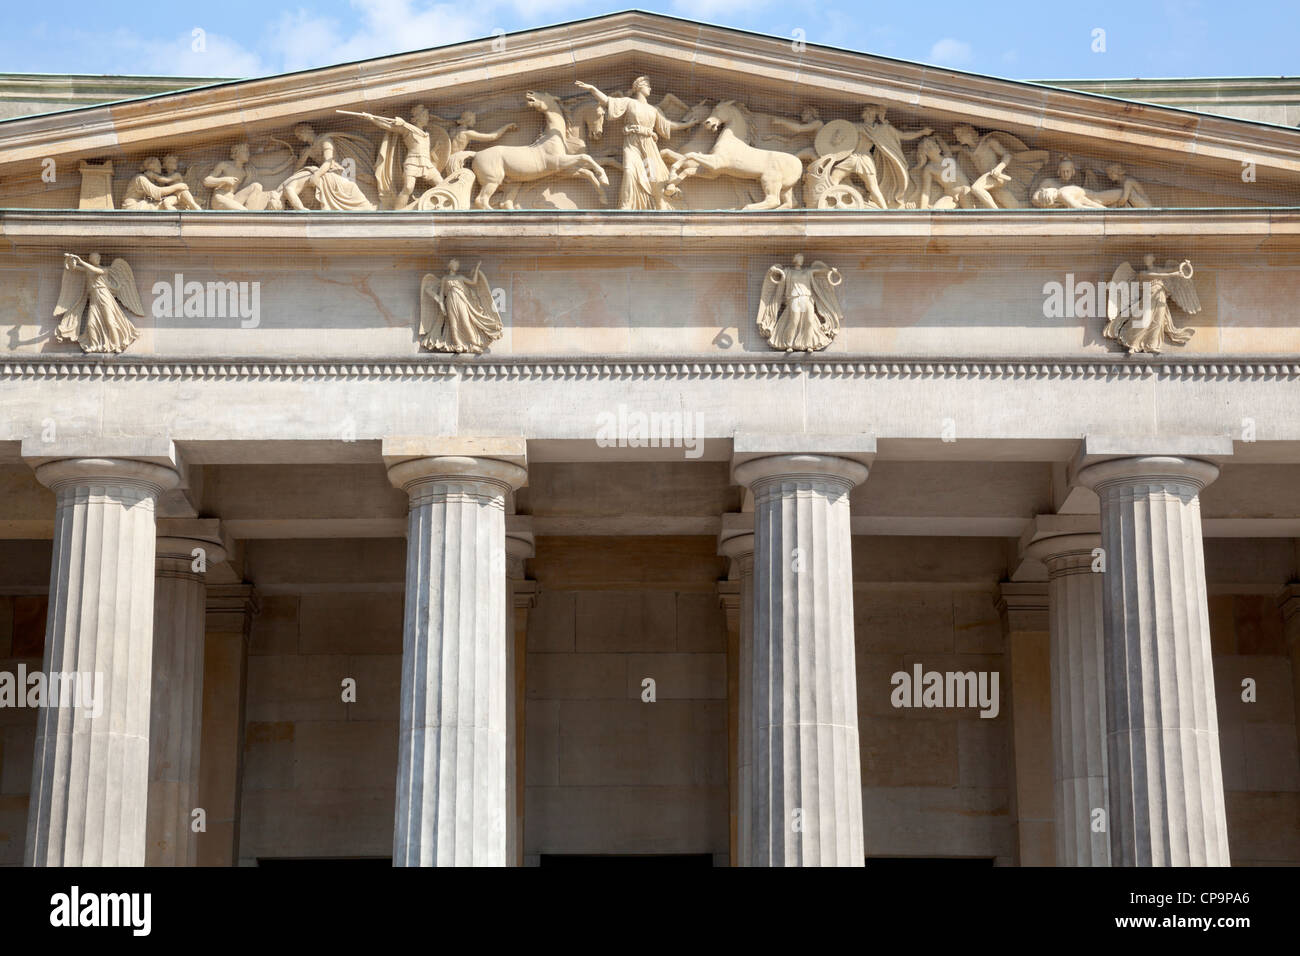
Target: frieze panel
[{"x": 554, "y": 147}]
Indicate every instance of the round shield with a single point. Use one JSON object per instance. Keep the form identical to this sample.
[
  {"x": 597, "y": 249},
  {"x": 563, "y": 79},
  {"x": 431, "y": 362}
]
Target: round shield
[
  {"x": 837, "y": 136},
  {"x": 439, "y": 146}
]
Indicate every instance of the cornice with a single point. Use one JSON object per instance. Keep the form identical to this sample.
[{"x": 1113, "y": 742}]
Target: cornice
[
  {"x": 535, "y": 230},
  {"x": 1213, "y": 368}
]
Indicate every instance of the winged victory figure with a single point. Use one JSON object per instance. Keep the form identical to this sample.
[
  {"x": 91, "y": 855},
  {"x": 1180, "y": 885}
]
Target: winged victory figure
[
  {"x": 457, "y": 313},
  {"x": 798, "y": 309},
  {"x": 91, "y": 291},
  {"x": 1141, "y": 301}
]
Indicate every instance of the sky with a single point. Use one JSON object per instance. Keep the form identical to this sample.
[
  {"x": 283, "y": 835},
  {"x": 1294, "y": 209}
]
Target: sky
[{"x": 1019, "y": 39}]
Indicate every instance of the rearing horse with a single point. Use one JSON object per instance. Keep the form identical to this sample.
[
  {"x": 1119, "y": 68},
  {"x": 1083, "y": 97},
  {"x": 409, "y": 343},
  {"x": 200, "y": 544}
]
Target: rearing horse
[
  {"x": 776, "y": 172},
  {"x": 548, "y": 155}
]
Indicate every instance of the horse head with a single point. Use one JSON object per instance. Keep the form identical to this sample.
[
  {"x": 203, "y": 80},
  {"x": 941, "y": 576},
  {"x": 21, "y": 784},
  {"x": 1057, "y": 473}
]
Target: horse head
[
  {"x": 542, "y": 102},
  {"x": 728, "y": 115}
]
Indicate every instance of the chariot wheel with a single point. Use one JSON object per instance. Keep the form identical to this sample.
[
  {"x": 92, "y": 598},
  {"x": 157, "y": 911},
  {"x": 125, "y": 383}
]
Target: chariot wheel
[{"x": 841, "y": 197}]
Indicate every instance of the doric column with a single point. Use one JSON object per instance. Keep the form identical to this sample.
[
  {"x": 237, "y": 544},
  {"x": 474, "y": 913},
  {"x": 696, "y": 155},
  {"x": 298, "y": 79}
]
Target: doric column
[
  {"x": 451, "y": 759},
  {"x": 176, "y": 708},
  {"x": 522, "y": 599},
  {"x": 231, "y": 609},
  {"x": 739, "y": 605},
  {"x": 1166, "y": 782},
  {"x": 1022, "y": 605},
  {"x": 1078, "y": 696},
  {"x": 90, "y": 769},
  {"x": 805, "y": 793}
]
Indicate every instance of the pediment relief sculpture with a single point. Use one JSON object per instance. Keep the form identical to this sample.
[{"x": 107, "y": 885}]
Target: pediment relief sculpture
[
  {"x": 799, "y": 308},
  {"x": 457, "y": 311},
  {"x": 1139, "y": 304},
  {"x": 92, "y": 299},
  {"x": 720, "y": 153}
]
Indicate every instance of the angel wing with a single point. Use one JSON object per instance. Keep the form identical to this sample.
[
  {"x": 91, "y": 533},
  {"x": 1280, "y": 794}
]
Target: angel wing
[
  {"x": 71, "y": 304},
  {"x": 828, "y": 302},
  {"x": 770, "y": 303},
  {"x": 121, "y": 280},
  {"x": 431, "y": 307},
  {"x": 1182, "y": 291},
  {"x": 1119, "y": 300},
  {"x": 483, "y": 293}
]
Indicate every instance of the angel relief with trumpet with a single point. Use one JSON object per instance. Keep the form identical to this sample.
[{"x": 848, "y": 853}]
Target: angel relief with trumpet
[
  {"x": 457, "y": 311},
  {"x": 799, "y": 309},
  {"x": 91, "y": 302},
  {"x": 1138, "y": 304}
]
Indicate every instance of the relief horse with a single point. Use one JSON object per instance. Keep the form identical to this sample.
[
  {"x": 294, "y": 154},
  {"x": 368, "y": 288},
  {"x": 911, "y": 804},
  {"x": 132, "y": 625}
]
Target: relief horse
[
  {"x": 549, "y": 154},
  {"x": 776, "y": 172}
]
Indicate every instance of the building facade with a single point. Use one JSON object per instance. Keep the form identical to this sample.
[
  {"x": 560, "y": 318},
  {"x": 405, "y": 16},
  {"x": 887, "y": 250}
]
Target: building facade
[{"x": 641, "y": 439}]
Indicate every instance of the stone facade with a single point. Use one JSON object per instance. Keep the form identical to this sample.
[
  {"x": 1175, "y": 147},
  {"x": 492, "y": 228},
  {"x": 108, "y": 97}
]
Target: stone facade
[{"x": 772, "y": 536}]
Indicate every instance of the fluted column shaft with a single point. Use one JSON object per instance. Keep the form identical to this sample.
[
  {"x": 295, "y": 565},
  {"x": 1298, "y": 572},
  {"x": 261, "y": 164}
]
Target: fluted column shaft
[
  {"x": 451, "y": 774},
  {"x": 522, "y": 598},
  {"x": 740, "y": 549},
  {"x": 1075, "y": 614},
  {"x": 176, "y": 703},
  {"x": 805, "y": 791},
  {"x": 90, "y": 769},
  {"x": 1165, "y": 778}
]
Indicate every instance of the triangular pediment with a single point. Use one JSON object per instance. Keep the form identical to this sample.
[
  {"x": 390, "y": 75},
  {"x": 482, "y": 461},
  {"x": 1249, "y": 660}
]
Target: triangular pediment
[{"x": 785, "y": 97}]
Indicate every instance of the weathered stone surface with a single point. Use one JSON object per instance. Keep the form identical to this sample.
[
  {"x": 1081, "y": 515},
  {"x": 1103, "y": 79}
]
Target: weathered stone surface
[
  {"x": 1078, "y": 696},
  {"x": 90, "y": 780},
  {"x": 1166, "y": 780},
  {"x": 451, "y": 776},
  {"x": 806, "y": 784}
]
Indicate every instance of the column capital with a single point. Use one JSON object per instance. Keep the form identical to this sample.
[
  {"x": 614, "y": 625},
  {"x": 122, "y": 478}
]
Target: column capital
[
  {"x": 1023, "y": 605},
  {"x": 737, "y": 545},
  {"x": 148, "y": 477},
  {"x": 231, "y": 607},
  {"x": 178, "y": 538},
  {"x": 519, "y": 548},
  {"x": 759, "y": 471},
  {"x": 413, "y": 473},
  {"x": 1194, "y": 473},
  {"x": 1062, "y": 553}
]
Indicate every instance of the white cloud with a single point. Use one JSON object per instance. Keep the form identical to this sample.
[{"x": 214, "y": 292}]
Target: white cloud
[
  {"x": 303, "y": 40},
  {"x": 217, "y": 55},
  {"x": 710, "y": 11},
  {"x": 951, "y": 52}
]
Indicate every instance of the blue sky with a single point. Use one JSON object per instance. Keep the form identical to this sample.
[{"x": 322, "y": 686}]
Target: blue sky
[{"x": 1023, "y": 39}]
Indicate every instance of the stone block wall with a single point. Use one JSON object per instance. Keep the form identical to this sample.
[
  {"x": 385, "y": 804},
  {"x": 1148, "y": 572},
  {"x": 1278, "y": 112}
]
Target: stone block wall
[
  {"x": 605, "y": 769},
  {"x": 319, "y": 773},
  {"x": 935, "y": 781}
]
